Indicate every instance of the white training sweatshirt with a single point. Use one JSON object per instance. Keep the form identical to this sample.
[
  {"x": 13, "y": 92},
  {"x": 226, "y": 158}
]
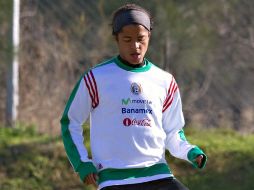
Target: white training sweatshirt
[{"x": 135, "y": 114}]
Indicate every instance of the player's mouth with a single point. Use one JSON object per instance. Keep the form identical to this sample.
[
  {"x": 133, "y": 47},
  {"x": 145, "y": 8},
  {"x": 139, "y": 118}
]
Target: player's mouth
[{"x": 136, "y": 56}]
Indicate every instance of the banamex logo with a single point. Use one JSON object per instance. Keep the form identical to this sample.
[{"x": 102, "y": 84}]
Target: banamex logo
[{"x": 127, "y": 122}]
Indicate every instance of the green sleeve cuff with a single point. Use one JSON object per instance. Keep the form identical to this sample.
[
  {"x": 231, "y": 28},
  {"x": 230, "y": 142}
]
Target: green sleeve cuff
[
  {"x": 193, "y": 154},
  {"x": 86, "y": 168}
]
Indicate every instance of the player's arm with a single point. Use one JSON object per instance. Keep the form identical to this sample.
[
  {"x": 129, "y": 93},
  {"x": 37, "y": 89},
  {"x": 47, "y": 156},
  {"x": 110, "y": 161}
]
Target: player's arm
[
  {"x": 173, "y": 122},
  {"x": 75, "y": 114}
]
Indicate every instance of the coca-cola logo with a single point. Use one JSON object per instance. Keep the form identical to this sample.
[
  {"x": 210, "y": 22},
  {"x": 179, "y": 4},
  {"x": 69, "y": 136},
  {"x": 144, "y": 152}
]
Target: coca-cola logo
[{"x": 138, "y": 122}]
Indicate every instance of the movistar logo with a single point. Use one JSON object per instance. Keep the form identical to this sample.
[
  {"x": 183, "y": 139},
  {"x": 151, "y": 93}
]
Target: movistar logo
[
  {"x": 135, "y": 101},
  {"x": 126, "y": 102}
]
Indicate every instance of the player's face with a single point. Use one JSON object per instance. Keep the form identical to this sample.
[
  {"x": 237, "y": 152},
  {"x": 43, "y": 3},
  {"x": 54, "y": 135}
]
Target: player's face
[{"x": 133, "y": 42}]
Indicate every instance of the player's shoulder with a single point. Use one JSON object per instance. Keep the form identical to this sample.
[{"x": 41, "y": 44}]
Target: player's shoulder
[
  {"x": 102, "y": 67},
  {"x": 105, "y": 64},
  {"x": 160, "y": 72}
]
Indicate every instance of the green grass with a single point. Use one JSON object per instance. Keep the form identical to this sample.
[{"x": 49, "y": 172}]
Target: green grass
[
  {"x": 30, "y": 160},
  {"x": 230, "y": 160}
]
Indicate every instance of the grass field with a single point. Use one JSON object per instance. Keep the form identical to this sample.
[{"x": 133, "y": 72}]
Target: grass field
[{"x": 29, "y": 160}]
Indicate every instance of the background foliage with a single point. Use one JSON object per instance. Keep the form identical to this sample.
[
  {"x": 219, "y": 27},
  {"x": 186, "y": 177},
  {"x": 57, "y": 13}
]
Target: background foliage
[{"x": 207, "y": 45}]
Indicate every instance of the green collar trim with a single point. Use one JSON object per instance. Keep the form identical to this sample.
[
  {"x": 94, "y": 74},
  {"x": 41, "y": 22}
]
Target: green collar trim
[
  {"x": 145, "y": 68},
  {"x": 121, "y": 174}
]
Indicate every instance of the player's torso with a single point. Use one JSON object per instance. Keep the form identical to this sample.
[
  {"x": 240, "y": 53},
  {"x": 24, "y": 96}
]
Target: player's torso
[{"x": 129, "y": 114}]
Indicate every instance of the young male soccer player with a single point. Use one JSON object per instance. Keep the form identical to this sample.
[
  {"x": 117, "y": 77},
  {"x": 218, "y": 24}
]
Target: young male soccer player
[{"x": 135, "y": 115}]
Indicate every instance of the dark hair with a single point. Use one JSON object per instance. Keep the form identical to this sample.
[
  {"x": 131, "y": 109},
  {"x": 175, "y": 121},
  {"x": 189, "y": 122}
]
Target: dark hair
[{"x": 128, "y": 7}]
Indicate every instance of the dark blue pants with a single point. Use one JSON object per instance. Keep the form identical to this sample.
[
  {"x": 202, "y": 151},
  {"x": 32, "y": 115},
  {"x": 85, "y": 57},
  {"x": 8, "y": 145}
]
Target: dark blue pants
[{"x": 161, "y": 184}]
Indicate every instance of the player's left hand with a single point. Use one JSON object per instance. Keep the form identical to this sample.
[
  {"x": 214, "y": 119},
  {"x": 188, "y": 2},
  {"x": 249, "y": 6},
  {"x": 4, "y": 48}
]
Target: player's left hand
[{"x": 199, "y": 160}]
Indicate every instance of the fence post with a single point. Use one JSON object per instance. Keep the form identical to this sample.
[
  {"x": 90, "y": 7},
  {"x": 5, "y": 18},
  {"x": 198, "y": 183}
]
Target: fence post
[{"x": 13, "y": 73}]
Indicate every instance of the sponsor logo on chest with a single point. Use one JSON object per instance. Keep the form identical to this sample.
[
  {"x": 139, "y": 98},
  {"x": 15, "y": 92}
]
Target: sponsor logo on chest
[
  {"x": 138, "y": 110},
  {"x": 129, "y": 101},
  {"x": 127, "y": 122},
  {"x": 134, "y": 106}
]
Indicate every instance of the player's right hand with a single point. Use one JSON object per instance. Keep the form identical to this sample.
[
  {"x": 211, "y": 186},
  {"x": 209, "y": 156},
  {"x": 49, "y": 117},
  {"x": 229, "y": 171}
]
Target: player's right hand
[{"x": 91, "y": 179}]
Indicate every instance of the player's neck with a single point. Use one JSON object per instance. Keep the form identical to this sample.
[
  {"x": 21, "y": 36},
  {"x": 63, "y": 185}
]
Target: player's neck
[{"x": 129, "y": 64}]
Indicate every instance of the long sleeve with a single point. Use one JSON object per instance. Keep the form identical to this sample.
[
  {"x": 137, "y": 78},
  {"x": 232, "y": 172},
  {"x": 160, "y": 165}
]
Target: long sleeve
[
  {"x": 173, "y": 122},
  {"x": 76, "y": 112}
]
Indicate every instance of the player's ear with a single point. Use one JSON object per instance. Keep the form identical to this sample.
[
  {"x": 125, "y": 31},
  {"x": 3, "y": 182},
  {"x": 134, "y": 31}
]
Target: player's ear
[{"x": 149, "y": 34}]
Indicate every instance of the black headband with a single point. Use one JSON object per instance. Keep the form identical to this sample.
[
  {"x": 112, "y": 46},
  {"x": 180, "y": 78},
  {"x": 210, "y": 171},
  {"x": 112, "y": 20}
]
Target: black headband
[{"x": 131, "y": 17}]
